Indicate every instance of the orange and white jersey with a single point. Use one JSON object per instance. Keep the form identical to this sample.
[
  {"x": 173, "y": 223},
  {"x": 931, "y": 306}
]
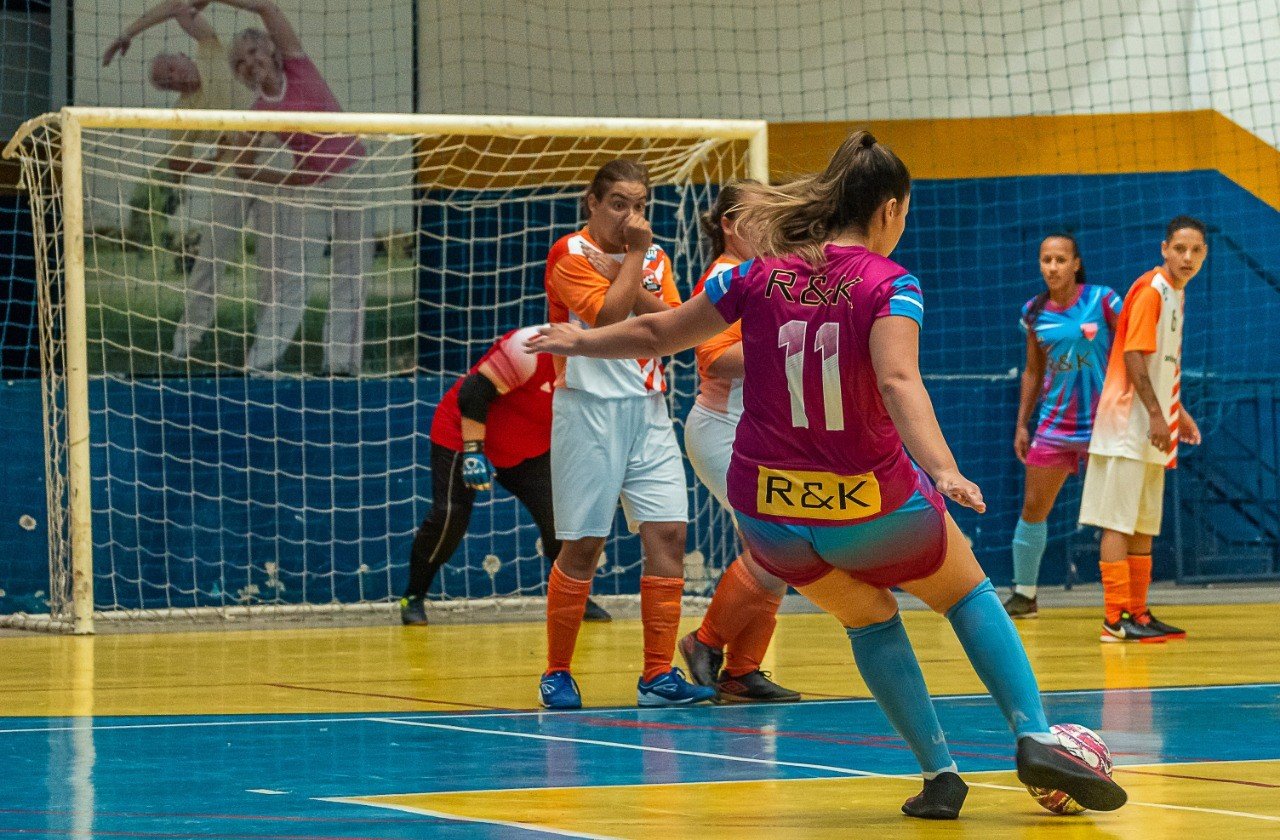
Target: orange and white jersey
[
  {"x": 1150, "y": 322},
  {"x": 576, "y": 291},
  {"x": 716, "y": 393}
]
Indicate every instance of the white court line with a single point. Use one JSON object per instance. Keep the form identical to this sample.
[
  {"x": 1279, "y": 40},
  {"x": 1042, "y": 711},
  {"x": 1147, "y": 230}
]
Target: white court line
[
  {"x": 715, "y": 709},
  {"x": 826, "y": 768},
  {"x": 847, "y": 771},
  {"x": 560, "y": 832}
]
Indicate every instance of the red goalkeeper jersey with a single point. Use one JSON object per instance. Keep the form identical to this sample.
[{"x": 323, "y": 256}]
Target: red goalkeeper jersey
[{"x": 518, "y": 426}]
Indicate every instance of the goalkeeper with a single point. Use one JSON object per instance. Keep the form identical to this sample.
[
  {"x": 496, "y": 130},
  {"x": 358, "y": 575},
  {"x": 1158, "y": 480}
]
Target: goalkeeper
[{"x": 495, "y": 422}]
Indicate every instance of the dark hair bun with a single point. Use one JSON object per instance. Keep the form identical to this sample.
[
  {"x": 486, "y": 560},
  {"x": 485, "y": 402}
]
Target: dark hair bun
[{"x": 868, "y": 140}]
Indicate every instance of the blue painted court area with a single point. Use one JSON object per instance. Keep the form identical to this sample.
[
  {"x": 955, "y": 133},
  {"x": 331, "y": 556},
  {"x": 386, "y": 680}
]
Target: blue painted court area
[{"x": 267, "y": 777}]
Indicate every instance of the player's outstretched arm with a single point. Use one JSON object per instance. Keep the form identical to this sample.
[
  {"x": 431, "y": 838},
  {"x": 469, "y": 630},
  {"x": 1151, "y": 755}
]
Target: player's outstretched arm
[
  {"x": 895, "y": 351},
  {"x": 171, "y": 9},
  {"x": 273, "y": 20},
  {"x": 646, "y": 337}
]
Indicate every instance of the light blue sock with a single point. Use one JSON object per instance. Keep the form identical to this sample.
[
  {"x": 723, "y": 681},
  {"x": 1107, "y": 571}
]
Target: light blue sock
[
  {"x": 992, "y": 645},
  {"x": 1029, "y": 539},
  {"x": 889, "y": 667}
]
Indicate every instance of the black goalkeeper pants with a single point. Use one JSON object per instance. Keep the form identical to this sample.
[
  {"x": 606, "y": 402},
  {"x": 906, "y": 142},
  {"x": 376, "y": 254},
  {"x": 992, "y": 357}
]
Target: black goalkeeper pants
[{"x": 451, "y": 502}]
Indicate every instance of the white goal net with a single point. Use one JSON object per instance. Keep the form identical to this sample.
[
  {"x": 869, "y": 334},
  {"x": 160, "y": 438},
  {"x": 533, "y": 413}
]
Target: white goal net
[{"x": 240, "y": 373}]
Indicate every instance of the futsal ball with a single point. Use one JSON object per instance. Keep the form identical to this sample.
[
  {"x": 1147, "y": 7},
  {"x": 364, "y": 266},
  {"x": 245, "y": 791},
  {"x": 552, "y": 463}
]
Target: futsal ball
[{"x": 1083, "y": 743}]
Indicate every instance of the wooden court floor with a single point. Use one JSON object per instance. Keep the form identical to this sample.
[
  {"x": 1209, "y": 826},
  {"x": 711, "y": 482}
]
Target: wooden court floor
[{"x": 392, "y": 732}]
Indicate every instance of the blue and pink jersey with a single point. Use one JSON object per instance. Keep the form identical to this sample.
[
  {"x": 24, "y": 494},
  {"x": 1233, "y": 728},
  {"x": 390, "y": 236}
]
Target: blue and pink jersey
[
  {"x": 1076, "y": 342},
  {"x": 816, "y": 445}
]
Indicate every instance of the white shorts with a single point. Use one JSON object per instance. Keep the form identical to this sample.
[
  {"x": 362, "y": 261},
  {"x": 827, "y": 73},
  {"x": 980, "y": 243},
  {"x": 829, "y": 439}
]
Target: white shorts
[
  {"x": 1123, "y": 494},
  {"x": 708, "y": 441},
  {"x": 602, "y": 449}
]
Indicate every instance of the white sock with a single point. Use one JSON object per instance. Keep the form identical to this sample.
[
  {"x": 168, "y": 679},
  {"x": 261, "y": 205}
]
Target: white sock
[
  {"x": 929, "y": 776},
  {"x": 1025, "y": 591}
]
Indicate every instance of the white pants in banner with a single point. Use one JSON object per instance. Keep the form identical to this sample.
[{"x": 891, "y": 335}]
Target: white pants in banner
[
  {"x": 603, "y": 449},
  {"x": 220, "y": 209},
  {"x": 708, "y": 441},
  {"x": 282, "y": 292}
]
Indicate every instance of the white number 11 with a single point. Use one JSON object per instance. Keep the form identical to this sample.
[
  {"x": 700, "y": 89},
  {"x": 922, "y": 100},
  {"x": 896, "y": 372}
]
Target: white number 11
[{"x": 826, "y": 341}]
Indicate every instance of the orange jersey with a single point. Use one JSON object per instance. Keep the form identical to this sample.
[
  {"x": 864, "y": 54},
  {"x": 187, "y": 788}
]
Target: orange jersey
[
  {"x": 575, "y": 292},
  {"x": 1150, "y": 323},
  {"x": 717, "y": 393}
]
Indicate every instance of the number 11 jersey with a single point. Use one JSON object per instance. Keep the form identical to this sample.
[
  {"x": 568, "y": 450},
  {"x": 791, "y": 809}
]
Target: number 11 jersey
[{"x": 816, "y": 445}]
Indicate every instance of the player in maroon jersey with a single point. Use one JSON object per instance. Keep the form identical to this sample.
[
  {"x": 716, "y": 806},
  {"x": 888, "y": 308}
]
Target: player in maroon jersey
[{"x": 494, "y": 423}]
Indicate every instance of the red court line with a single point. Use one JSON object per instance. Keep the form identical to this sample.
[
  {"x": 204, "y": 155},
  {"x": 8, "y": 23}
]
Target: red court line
[
  {"x": 1199, "y": 778},
  {"x": 395, "y": 697}
]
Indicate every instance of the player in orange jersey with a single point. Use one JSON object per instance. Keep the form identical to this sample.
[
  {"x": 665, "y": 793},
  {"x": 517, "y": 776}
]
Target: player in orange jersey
[
  {"x": 743, "y": 613},
  {"x": 611, "y": 436},
  {"x": 1139, "y": 424}
]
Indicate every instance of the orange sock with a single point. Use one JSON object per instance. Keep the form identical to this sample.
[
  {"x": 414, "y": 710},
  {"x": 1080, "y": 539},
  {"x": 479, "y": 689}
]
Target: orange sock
[
  {"x": 566, "y": 599},
  {"x": 756, "y": 614},
  {"x": 660, "y": 613},
  {"x": 1115, "y": 589},
  {"x": 1139, "y": 582},
  {"x": 731, "y": 606}
]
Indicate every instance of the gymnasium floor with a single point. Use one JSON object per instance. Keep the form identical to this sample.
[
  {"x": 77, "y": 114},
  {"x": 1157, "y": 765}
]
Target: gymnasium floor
[{"x": 390, "y": 732}]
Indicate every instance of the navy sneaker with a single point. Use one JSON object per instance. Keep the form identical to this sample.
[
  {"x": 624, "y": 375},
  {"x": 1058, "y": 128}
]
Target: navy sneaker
[
  {"x": 1149, "y": 621},
  {"x": 413, "y": 611},
  {"x": 671, "y": 689},
  {"x": 559, "y": 690}
]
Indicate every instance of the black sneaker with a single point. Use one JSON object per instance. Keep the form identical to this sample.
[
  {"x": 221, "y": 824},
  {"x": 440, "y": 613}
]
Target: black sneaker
[
  {"x": 1128, "y": 630},
  {"x": 1054, "y": 767},
  {"x": 703, "y": 660},
  {"x": 941, "y": 798},
  {"x": 753, "y": 687},
  {"x": 413, "y": 611},
  {"x": 595, "y": 612},
  {"x": 1146, "y": 619},
  {"x": 1020, "y": 606}
]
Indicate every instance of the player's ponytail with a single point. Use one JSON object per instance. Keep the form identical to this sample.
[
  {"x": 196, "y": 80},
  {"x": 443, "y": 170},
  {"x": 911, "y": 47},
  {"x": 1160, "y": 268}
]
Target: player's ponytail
[
  {"x": 802, "y": 216},
  {"x": 730, "y": 196},
  {"x": 1041, "y": 300},
  {"x": 622, "y": 169}
]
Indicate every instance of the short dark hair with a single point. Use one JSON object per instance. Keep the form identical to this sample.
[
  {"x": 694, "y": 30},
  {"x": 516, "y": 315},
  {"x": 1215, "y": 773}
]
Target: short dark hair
[
  {"x": 1177, "y": 223},
  {"x": 611, "y": 173}
]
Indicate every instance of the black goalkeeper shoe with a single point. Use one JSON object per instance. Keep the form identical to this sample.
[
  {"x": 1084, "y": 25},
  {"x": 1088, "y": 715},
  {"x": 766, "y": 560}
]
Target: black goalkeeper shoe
[
  {"x": 1146, "y": 619},
  {"x": 1054, "y": 767},
  {"x": 941, "y": 799},
  {"x": 595, "y": 612},
  {"x": 413, "y": 611}
]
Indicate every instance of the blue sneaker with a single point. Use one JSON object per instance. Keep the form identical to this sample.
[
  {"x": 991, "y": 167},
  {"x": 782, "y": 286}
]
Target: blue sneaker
[
  {"x": 558, "y": 690},
  {"x": 672, "y": 689}
]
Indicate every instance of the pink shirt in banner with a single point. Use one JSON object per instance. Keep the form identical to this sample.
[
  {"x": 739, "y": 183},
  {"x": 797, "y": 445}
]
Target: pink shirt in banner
[
  {"x": 306, "y": 90},
  {"x": 816, "y": 445}
]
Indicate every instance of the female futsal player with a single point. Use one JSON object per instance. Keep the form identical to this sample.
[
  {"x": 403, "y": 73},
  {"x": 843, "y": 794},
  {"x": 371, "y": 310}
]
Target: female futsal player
[
  {"x": 825, "y": 495},
  {"x": 1069, "y": 327}
]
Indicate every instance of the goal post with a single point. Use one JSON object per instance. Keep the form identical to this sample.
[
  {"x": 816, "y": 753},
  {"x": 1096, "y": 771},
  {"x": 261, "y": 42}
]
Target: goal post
[{"x": 188, "y": 481}]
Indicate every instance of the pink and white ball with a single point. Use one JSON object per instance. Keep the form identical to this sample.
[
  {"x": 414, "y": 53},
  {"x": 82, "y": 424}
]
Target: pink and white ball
[{"x": 1086, "y": 745}]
